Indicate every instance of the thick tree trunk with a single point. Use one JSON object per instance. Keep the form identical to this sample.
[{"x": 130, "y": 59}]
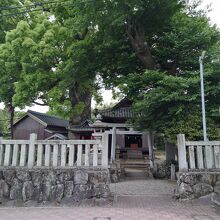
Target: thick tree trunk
[
  {"x": 138, "y": 41},
  {"x": 11, "y": 111},
  {"x": 81, "y": 105}
]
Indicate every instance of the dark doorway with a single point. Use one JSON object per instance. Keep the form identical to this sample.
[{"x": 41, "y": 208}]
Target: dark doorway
[{"x": 133, "y": 141}]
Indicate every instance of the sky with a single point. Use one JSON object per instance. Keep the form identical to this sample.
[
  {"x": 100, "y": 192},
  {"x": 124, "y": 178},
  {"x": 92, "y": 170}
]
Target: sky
[{"x": 214, "y": 15}]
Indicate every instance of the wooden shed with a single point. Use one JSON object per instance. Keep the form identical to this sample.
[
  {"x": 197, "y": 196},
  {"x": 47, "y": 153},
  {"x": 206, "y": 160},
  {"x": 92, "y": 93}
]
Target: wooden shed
[{"x": 45, "y": 126}]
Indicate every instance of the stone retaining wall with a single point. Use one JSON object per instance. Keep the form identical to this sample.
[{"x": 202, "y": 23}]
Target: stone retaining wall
[
  {"x": 53, "y": 185},
  {"x": 162, "y": 169},
  {"x": 116, "y": 172},
  {"x": 192, "y": 185}
]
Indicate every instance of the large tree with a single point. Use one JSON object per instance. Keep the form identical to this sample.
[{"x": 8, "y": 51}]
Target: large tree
[
  {"x": 168, "y": 101},
  {"x": 65, "y": 49},
  {"x": 62, "y": 57},
  {"x": 9, "y": 61}
]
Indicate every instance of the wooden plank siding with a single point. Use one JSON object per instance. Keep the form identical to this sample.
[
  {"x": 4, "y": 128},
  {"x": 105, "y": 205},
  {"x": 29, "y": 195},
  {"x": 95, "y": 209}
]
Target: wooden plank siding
[
  {"x": 24, "y": 128},
  {"x": 28, "y": 125}
]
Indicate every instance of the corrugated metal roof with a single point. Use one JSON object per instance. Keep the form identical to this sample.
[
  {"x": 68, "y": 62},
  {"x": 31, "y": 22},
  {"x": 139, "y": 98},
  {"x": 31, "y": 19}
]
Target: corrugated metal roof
[{"x": 49, "y": 120}]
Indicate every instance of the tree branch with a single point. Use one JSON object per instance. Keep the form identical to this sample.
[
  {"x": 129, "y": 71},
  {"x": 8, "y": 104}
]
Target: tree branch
[
  {"x": 137, "y": 37},
  {"x": 41, "y": 104}
]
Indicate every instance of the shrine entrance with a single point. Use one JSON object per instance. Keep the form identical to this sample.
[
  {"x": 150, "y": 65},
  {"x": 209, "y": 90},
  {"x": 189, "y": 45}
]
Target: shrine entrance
[
  {"x": 133, "y": 141},
  {"x": 128, "y": 150}
]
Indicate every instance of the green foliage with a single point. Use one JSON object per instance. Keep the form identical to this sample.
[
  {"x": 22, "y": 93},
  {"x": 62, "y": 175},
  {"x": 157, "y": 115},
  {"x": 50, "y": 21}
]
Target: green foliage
[
  {"x": 56, "y": 58},
  {"x": 171, "y": 105},
  {"x": 115, "y": 56},
  {"x": 149, "y": 49},
  {"x": 168, "y": 100},
  {"x": 178, "y": 49},
  {"x": 52, "y": 63},
  {"x": 5, "y": 121},
  {"x": 9, "y": 60}
]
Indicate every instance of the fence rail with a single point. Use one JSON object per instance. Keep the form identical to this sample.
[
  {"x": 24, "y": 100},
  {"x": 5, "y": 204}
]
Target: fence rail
[
  {"x": 198, "y": 155},
  {"x": 53, "y": 153}
]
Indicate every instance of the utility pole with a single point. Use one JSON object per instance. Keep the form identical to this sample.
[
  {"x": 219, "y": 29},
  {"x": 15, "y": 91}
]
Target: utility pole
[{"x": 201, "y": 58}]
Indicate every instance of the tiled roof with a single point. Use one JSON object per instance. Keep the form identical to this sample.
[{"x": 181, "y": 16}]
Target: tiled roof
[
  {"x": 125, "y": 102},
  {"x": 49, "y": 120},
  {"x": 84, "y": 126},
  {"x": 122, "y": 109},
  {"x": 125, "y": 112}
]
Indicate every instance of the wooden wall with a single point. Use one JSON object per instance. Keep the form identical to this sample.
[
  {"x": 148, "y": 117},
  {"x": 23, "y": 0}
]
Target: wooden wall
[{"x": 26, "y": 126}]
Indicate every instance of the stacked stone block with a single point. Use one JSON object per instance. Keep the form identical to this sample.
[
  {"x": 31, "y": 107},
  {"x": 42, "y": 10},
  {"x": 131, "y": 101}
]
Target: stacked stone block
[
  {"x": 53, "y": 185},
  {"x": 192, "y": 185}
]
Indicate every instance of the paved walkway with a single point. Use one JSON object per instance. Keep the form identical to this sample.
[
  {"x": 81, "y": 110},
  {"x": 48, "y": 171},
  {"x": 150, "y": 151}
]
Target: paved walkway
[
  {"x": 142, "y": 187},
  {"x": 134, "y": 200}
]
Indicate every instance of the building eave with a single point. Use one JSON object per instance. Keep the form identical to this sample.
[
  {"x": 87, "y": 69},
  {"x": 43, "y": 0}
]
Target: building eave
[
  {"x": 37, "y": 119},
  {"x": 99, "y": 124}
]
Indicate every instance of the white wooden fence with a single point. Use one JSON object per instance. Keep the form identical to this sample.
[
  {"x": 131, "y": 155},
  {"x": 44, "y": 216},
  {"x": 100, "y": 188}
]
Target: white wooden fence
[
  {"x": 198, "y": 155},
  {"x": 53, "y": 153}
]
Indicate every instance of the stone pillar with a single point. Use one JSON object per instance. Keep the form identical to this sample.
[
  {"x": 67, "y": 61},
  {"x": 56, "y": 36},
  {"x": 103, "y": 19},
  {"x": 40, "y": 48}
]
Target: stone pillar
[
  {"x": 170, "y": 150},
  {"x": 8, "y": 155},
  {"x": 151, "y": 150},
  {"x": 144, "y": 140},
  {"x": 31, "y": 152},
  {"x": 1, "y": 152},
  {"x": 183, "y": 166},
  {"x": 105, "y": 150},
  {"x": 113, "y": 147},
  {"x": 173, "y": 172}
]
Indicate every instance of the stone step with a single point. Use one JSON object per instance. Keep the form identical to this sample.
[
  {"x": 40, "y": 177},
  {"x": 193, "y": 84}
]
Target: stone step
[
  {"x": 137, "y": 173},
  {"x": 137, "y": 166},
  {"x": 134, "y": 154}
]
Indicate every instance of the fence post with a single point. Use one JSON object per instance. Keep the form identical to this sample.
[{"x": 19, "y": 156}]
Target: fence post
[
  {"x": 8, "y": 155},
  {"x": 173, "y": 172},
  {"x": 113, "y": 146},
  {"x": 209, "y": 157},
  {"x": 105, "y": 150},
  {"x": 1, "y": 152},
  {"x": 183, "y": 166},
  {"x": 151, "y": 150},
  {"x": 31, "y": 150}
]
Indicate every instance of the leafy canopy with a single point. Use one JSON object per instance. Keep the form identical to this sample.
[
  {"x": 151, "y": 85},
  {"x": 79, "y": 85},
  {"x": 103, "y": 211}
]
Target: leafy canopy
[{"x": 149, "y": 49}]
